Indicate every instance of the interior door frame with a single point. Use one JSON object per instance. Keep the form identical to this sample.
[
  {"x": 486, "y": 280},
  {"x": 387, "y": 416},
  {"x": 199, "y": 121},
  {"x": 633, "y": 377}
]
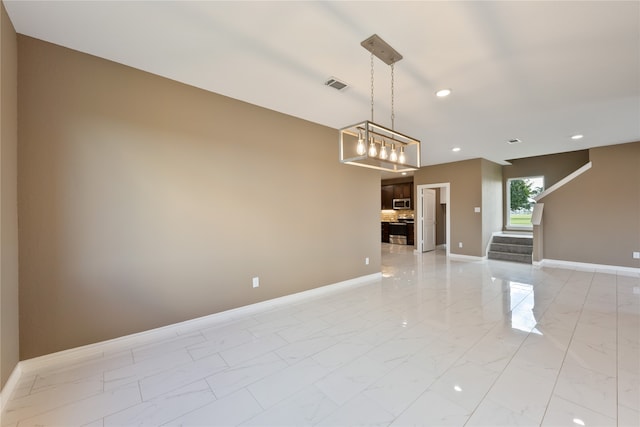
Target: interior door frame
[{"x": 420, "y": 215}]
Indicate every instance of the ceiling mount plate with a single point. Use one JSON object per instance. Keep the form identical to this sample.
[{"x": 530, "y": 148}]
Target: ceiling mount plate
[{"x": 381, "y": 49}]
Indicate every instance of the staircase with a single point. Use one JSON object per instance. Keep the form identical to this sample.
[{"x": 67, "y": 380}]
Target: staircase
[{"x": 511, "y": 248}]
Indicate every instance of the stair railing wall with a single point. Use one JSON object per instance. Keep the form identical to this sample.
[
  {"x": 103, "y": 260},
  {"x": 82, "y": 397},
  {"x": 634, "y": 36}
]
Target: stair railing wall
[{"x": 536, "y": 220}]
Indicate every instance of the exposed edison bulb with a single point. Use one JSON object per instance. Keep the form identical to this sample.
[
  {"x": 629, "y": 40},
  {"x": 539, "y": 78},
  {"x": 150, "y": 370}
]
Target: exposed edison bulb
[
  {"x": 372, "y": 148},
  {"x": 402, "y": 157},
  {"x": 360, "y": 148},
  {"x": 383, "y": 151},
  {"x": 393, "y": 156}
]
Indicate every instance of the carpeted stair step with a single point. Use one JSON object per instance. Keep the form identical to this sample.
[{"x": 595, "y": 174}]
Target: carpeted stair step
[
  {"x": 511, "y": 248},
  {"x": 513, "y": 240},
  {"x": 506, "y": 256}
]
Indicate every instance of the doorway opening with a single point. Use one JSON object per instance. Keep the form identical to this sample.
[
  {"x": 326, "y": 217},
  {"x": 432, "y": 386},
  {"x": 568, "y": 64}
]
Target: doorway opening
[{"x": 442, "y": 213}]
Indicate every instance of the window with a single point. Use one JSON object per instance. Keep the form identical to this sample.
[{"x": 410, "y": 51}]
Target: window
[{"x": 520, "y": 194}]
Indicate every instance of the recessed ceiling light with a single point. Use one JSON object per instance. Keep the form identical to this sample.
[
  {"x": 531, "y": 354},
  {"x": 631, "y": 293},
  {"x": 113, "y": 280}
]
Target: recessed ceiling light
[
  {"x": 443, "y": 92},
  {"x": 455, "y": 149},
  {"x": 404, "y": 173},
  {"x": 578, "y": 136}
]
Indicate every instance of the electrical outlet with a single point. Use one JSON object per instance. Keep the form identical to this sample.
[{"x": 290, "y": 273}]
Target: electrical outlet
[
  {"x": 459, "y": 244},
  {"x": 366, "y": 261},
  {"x": 636, "y": 255},
  {"x": 256, "y": 282}
]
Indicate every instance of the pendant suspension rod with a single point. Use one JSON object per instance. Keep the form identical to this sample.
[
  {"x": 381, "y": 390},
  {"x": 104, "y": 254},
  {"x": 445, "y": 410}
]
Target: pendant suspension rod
[
  {"x": 393, "y": 113},
  {"x": 372, "y": 87}
]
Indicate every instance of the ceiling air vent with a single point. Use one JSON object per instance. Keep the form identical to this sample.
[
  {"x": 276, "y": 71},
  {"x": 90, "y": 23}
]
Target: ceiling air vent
[
  {"x": 335, "y": 83},
  {"x": 514, "y": 141}
]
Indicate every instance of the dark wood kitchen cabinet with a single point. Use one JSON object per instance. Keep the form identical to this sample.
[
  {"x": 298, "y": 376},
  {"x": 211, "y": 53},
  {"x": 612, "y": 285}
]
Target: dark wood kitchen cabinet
[
  {"x": 385, "y": 232},
  {"x": 410, "y": 234},
  {"x": 387, "y": 196},
  {"x": 402, "y": 191},
  {"x": 395, "y": 191}
]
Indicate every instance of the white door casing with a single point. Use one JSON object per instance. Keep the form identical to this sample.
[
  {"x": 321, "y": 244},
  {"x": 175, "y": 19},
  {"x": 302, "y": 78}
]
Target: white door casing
[{"x": 420, "y": 216}]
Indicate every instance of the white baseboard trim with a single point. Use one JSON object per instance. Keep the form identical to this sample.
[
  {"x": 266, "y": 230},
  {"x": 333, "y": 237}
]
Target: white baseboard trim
[
  {"x": 599, "y": 268},
  {"x": 10, "y": 386},
  {"x": 467, "y": 257},
  {"x": 181, "y": 328}
]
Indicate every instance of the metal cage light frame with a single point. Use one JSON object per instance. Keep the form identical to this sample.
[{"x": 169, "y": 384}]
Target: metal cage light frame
[{"x": 372, "y": 145}]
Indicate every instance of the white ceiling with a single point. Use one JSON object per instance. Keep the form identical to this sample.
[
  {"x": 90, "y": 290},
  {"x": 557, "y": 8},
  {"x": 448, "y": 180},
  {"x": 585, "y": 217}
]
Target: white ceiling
[{"x": 537, "y": 71}]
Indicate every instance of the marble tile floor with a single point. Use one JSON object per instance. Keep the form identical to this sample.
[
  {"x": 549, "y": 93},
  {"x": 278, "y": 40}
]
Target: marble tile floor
[{"x": 434, "y": 342}]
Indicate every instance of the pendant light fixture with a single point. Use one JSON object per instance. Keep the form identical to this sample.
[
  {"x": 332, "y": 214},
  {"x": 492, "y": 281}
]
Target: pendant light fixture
[{"x": 375, "y": 146}]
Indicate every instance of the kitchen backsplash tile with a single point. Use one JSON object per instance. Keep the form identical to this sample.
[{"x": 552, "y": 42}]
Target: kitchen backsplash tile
[{"x": 393, "y": 215}]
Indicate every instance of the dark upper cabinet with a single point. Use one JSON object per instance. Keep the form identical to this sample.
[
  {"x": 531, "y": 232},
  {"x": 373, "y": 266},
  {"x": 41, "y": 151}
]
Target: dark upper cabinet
[
  {"x": 387, "y": 196},
  {"x": 402, "y": 191},
  {"x": 395, "y": 191}
]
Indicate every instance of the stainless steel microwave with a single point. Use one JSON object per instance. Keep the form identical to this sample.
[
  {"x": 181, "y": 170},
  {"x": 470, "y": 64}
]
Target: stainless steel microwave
[{"x": 401, "y": 203}]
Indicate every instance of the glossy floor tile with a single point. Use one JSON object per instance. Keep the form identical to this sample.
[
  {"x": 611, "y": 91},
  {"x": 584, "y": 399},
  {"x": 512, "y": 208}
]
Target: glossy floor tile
[{"x": 434, "y": 342}]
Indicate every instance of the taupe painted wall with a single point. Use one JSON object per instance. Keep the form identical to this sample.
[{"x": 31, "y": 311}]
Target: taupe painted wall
[
  {"x": 465, "y": 194},
  {"x": 553, "y": 167},
  {"x": 491, "y": 201},
  {"x": 9, "y": 331},
  {"x": 596, "y": 217},
  {"x": 145, "y": 202}
]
